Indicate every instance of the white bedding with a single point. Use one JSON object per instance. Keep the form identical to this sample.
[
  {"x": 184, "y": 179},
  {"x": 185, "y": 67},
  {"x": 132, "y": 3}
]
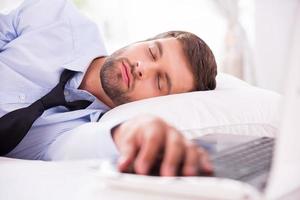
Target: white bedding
[{"x": 58, "y": 180}]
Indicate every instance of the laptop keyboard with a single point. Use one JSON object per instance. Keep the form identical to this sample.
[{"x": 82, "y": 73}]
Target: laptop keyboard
[{"x": 246, "y": 161}]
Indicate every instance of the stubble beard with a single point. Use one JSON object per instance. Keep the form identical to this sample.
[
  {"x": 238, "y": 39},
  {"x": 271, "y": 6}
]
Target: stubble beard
[{"x": 111, "y": 79}]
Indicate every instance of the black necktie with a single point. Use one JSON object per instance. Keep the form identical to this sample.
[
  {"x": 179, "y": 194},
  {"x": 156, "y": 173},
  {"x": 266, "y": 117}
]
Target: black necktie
[{"x": 15, "y": 125}]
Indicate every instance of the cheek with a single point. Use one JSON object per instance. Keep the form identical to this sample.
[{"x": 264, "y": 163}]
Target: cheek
[{"x": 143, "y": 90}]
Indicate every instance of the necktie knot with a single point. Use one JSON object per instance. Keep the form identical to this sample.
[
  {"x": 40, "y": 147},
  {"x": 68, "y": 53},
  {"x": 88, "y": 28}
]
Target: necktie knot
[{"x": 56, "y": 96}]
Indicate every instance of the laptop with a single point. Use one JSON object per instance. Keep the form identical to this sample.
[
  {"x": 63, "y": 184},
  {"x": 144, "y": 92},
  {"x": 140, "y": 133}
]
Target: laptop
[{"x": 271, "y": 167}]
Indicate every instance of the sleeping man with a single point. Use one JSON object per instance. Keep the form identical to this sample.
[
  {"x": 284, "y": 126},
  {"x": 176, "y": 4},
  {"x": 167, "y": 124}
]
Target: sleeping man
[{"x": 53, "y": 65}]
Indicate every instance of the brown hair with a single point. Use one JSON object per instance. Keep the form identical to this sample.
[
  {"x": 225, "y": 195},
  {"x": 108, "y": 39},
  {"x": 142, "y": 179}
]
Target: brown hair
[{"x": 199, "y": 55}]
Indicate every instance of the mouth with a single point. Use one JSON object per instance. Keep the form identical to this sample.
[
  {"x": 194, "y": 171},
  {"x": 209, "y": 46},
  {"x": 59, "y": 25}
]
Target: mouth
[{"x": 126, "y": 74}]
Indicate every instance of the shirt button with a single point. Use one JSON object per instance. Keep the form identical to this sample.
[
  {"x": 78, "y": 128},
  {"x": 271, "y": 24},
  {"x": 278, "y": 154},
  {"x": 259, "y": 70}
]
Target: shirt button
[
  {"x": 66, "y": 93},
  {"x": 22, "y": 97}
]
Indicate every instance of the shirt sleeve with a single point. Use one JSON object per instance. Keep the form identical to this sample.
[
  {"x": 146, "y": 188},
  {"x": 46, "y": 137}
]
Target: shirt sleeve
[
  {"x": 30, "y": 15},
  {"x": 8, "y": 28},
  {"x": 90, "y": 141}
]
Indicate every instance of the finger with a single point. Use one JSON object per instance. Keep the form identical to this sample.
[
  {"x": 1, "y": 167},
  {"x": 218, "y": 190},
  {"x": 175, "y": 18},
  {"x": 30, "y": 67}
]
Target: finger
[
  {"x": 128, "y": 152},
  {"x": 191, "y": 162},
  {"x": 174, "y": 153},
  {"x": 152, "y": 143},
  {"x": 205, "y": 163}
]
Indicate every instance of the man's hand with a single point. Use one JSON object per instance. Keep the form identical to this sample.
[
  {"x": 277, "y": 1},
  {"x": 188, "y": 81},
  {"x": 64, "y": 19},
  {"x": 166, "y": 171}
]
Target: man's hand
[{"x": 143, "y": 138}]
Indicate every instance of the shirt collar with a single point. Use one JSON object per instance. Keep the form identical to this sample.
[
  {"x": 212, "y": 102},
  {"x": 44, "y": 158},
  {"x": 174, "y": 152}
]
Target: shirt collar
[{"x": 74, "y": 84}]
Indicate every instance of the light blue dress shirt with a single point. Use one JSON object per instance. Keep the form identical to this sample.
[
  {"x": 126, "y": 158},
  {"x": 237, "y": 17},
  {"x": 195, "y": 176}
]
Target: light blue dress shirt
[{"x": 38, "y": 41}]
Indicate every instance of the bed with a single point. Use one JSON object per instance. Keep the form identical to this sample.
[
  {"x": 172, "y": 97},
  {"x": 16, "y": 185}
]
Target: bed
[{"x": 235, "y": 107}]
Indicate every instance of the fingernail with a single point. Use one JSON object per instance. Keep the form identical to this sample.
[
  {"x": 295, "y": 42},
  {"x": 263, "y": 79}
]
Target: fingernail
[
  {"x": 142, "y": 168},
  {"x": 122, "y": 163},
  {"x": 122, "y": 159},
  {"x": 191, "y": 171},
  {"x": 208, "y": 166},
  {"x": 168, "y": 171}
]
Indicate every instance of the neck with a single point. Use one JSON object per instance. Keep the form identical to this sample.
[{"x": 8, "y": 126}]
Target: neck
[{"x": 91, "y": 81}]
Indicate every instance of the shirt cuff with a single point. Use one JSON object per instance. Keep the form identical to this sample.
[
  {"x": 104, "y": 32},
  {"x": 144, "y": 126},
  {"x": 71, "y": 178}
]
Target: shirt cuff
[{"x": 90, "y": 141}]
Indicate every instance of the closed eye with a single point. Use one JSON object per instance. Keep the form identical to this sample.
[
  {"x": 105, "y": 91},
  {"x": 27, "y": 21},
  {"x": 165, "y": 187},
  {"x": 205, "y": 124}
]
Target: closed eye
[
  {"x": 152, "y": 54},
  {"x": 158, "y": 82}
]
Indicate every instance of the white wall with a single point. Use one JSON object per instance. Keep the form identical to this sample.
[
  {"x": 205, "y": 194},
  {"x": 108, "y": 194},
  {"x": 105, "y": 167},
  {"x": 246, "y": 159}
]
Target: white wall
[
  {"x": 273, "y": 29},
  {"x": 124, "y": 22}
]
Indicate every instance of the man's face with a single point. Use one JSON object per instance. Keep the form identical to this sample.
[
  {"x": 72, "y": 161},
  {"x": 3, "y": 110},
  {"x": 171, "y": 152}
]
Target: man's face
[{"x": 146, "y": 69}]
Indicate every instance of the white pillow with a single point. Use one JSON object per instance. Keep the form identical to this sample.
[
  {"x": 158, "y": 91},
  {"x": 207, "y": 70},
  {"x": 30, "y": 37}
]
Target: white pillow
[{"x": 234, "y": 107}]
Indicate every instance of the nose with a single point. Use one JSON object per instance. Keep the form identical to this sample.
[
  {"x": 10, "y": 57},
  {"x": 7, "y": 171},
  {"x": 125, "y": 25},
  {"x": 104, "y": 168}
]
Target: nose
[
  {"x": 139, "y": 71},
  {"x": 143, "y": 70}
]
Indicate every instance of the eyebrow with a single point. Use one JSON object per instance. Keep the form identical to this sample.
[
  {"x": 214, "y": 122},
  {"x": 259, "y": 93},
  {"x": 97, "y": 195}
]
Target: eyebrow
[{"x": 160, "y": 48}]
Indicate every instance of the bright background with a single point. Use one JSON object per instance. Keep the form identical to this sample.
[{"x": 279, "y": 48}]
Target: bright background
[{"x": 250, "y": 38}]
